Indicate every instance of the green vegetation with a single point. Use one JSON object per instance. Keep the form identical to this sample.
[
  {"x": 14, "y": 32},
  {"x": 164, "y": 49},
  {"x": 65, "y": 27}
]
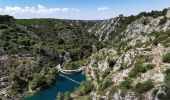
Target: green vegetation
[
  {"x": 161, "y": 37},
  {"x": 150, "y": 66},
  {"x": 36, "y": 81},
  {"x": 35, "y": 46},
  {"x": 163, "y": 21},
  {"x": 167, "y": 76},
  {"x": 72, "y": 65},
  {"x": 124, "y": 66},
  {"x": 104, "y": 85},
  {"x": 84, "y": 89},
  {"x": 44, "y": 79},
  {"x": 6, "y": 19},
  {"x": 127, "y": 83},
  {"x": 154, "y": 14},
  {"x": 3, "y": 26},
  {"x": 143, "y": 58},
  {"x": 13, "y": 42},
  {"x": 66, "y": 37},
  {"x": 63, "y": 96},
  {"x": 138, "y": 68},
  {"x": 105, "y": 73},
  {"x": 166, "y": 58},
  {"x": 143, "y": 87},
  {"x": 113, "y": 90}
]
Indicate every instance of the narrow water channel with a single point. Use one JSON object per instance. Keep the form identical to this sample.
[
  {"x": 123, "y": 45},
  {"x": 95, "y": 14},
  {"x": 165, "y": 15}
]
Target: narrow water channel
[{"x": 61, "y": 85}]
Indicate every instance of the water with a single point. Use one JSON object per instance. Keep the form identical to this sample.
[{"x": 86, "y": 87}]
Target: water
[{"x": 61, "y": 85}]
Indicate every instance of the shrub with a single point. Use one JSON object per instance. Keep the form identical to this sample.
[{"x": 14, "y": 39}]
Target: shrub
[
  {"x": 163, "y": 21},
  {"x": 44, "y": 79},
  {"x": 144, "y": 87},
  {"x": 133, "y": 74},
  {"x": 146, "y": 21},
  {"x": 3, "y": 26},
  {"x": 147, "y": 49},
  {"x": 167, "y": 76},
  {"x": 105, "y": 85},
  {"x": 127, "y": 83},
  {"x": 84, "y": 89},
  {"x": 166, "y": 58},
  {"x": 150, "y": 66},
  {"x": 138, "y": 68},
  {"x": 5, "y": 19},
  {"x": 72, "y": 65},
  {"x": 124, "y": 66}
]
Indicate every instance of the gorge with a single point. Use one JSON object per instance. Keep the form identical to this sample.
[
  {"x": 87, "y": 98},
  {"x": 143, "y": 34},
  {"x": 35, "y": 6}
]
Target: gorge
[{"x": 122, "y": 58}]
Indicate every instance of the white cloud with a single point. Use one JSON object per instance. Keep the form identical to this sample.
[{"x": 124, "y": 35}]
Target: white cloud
[
  {"x": 102, "y": 8},
  {"x": 40, "y": 9}
]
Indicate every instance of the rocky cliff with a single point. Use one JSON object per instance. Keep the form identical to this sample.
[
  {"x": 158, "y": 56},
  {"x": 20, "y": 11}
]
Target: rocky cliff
[{"x": 134, "y": 66}]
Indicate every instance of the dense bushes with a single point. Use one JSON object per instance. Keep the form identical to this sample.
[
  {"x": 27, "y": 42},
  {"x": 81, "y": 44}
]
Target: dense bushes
[
  {"x": 39, "y": 45},
  {"x": 84, "y": 89},
  {"x": 127, "y": 83},
  {"x": 150, "y": 66},
  {"x": 167, "y": 76},
  {"x": 64, "y": 35},
  {"x": 143, "y": 87},
  {"x": 43, "y": 79},
  {"x": 138, "y": 68},
  {"x": 5, "y": 19},
  {"x": 154, "y": 14},
  {"x": 104, "y": 85},
  {"x": 163, "y": 21},
  {"x": 14, "y": 42},
  {"x": 161, "y": 37},
  {"x": 72, "y": 65},
  {"x": 23, "y": 78},
  {"x": 3, "y": 26},
  {"x": 166, "y": 58}
]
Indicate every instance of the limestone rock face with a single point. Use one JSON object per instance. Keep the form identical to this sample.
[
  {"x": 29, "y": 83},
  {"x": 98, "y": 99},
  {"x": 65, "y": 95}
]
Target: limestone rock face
[
  {"x": 136, "y": 46},
  {"x": 168, "y": 13},
  {"x": 106, "y": 28}
]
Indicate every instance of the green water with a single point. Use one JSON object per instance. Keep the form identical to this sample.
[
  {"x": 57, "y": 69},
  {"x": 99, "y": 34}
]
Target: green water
[{"x": 61, "y": 85}]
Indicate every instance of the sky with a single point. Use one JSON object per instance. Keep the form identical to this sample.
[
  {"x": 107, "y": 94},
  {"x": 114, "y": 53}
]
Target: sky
[{"x": 78, "y": 9}]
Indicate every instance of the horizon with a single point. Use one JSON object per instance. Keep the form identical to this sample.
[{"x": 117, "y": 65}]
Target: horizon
[{"x": 79, "y": 10}]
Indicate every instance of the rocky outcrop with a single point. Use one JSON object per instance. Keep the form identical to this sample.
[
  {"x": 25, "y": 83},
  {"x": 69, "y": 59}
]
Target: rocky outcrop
[
  {"x": 138, "y": 47},
  {"x": 104, "y": 29}
]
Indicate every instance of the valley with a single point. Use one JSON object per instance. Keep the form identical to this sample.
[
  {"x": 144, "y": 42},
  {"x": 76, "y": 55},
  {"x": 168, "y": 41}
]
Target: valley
[{"x": 122, "y": 58}]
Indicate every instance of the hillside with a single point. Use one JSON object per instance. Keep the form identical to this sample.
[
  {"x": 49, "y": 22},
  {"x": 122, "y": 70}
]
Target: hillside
[
  {"x": 134, "y": 65},
  {"x": 125, "y": 58},
  {"x": 31, "y": 49}
]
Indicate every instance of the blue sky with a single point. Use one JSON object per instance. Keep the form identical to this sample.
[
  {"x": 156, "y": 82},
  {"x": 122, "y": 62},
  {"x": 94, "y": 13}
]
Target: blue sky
[{"x": 78, "y": 9}]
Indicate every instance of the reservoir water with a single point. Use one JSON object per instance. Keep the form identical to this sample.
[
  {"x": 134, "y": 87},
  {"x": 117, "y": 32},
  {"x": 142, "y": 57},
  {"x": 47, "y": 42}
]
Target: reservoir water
[{"x": 61, "y": 85}]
